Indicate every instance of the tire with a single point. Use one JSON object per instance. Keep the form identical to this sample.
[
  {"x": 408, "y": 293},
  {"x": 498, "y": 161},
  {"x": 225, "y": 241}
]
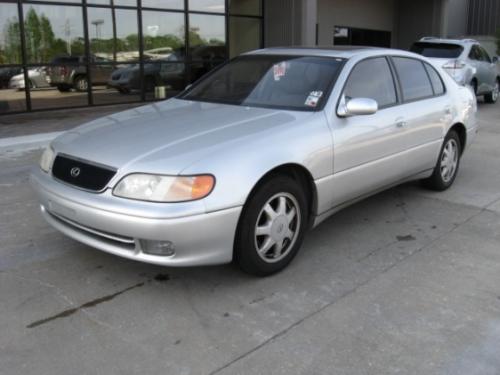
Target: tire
[
  {"x": 492, "y": 97},
  {"x": 447, "y": 165},
  {"x": 63, "y": 88},
  {"x": 81, "y": 84},
  {"x": 285, "y": 199}
]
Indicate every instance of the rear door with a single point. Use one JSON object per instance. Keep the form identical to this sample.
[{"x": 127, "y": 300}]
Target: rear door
[
  {"x": 369, "y": 151},
  {"x": 490, "y": 73},
  {"x": 426, "y": 110}
]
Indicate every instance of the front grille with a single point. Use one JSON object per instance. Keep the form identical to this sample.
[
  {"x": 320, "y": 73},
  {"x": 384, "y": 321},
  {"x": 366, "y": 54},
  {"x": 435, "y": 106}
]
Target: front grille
[{"x": 82, "y": 174}]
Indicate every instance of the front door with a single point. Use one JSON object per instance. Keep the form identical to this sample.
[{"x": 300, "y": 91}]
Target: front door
[{"x": 369, "y": 151}]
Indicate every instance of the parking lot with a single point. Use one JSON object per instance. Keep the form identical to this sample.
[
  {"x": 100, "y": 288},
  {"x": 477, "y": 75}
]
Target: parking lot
[{"x": 405, "y": 282}]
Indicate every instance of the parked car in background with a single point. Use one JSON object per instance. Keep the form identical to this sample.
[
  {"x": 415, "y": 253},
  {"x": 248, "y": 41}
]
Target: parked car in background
[
  {"x": 466, "y": 61},
  {"x": 6, "y": 74},
  {"x": 70, "y": 72},
  {"x": 168, "y": 71},
  {"x": 241, "y": 164},
  {"x": 162, "y": 72},
  {"x": 37, "y": 79}
]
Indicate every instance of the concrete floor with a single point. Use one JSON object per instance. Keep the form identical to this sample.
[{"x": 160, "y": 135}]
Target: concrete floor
[{"x": 406, "y": 282}]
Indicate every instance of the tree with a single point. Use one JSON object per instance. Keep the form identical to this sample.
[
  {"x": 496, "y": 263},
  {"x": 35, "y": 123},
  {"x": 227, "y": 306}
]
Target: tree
[
  {"x": 11, "y": 53},
  {"x": 33, "y": 36}
]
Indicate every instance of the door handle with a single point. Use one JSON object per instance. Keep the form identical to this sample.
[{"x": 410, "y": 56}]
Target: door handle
[{"x": 400, "y": 123}]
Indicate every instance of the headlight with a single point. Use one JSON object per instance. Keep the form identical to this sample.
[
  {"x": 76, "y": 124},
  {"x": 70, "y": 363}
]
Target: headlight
[
  {"x": 47, "y": 159},
  {"x": 156, "y": 188}
]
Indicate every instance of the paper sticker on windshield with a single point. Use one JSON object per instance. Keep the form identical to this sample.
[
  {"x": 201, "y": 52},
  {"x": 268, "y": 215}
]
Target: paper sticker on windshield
[
  {"x": 279, "y": 70},
  {"x": 313, "y": 98}
]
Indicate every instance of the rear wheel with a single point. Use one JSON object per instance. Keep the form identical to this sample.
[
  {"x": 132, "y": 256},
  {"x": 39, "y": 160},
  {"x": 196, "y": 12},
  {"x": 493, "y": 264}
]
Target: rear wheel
[
  {"x": 272, "y": 227},
  {"x": 447, "y": 165},
  {"x": 81, "y": 83},
  {"x": 492, "y": 97}
]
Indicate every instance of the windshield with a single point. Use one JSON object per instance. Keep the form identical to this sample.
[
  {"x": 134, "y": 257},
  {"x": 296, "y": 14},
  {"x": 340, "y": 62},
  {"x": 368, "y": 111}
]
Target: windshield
[
  {"x": 283, "y": 82},
  {"x": 440, "y": 50}
]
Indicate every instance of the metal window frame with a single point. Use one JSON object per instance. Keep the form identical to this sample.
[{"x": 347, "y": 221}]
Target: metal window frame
[{"x": 84, "y": 5}]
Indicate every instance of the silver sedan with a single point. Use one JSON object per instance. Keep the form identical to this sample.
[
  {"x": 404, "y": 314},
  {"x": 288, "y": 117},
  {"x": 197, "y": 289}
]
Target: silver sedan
[{"x": 241, "y": 164}]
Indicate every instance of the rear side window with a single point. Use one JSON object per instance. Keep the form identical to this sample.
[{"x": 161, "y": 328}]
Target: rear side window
[
  {"x": 440, "y": 50},
  {"x": 372, "y": 78},
  {"x": 415, "y": 83},
  {"x": 437, "y": 83}
]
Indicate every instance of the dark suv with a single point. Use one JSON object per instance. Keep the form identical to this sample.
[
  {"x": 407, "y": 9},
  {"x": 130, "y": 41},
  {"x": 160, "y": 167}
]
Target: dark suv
[{"x": 70, "y": 72}]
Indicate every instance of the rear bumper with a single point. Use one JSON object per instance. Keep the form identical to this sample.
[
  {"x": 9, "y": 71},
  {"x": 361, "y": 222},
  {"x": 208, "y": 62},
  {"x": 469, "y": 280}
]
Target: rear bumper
[{"x": 200, "y": 239}]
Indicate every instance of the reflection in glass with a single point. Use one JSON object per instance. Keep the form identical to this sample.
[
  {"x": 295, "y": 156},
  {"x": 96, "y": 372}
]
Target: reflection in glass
[
  {"x": 65, "y": 85},
  {"x": 52, "y": 31},
  {"x": 199, "y": 69},
  {"x": 128, "y": 3},
  {"x": 245, "y": 7},
  {"x": 244, "y": 34},
  {"x": 10, "y": 36},
  {"x": 122, "y": 84},
  {"x": 163, "y": 34},
  {"x": 206, "y": 30},
  {"x": 163, "y": 4},
  {"x": 12, "y": 95},
  {"x": 113, "y": 41},
  {"x": 164, "y": 79},
  {"x": 216, "y": 6}
]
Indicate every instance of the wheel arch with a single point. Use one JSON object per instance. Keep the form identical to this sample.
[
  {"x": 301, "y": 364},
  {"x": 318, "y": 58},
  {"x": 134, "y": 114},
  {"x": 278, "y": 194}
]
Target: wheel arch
[
  {"x": 299, "y": 173},
  {"x": 461, "y": 130}
]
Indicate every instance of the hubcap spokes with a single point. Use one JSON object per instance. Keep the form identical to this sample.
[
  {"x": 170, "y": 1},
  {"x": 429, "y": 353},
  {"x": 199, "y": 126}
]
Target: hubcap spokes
[
  {"x": 277, "y": 227},
  {"x": 449, "y": 160}
]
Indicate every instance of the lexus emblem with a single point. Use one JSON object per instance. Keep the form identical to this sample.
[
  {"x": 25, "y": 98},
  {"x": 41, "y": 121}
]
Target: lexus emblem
[{"x": 75, "y": 172}]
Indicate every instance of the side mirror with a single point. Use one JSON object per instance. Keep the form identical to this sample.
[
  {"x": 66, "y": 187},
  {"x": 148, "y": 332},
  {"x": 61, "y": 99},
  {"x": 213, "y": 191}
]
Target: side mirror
[
  {"x": 357, "y": 107},
  {"x": 495, "y": 59}
]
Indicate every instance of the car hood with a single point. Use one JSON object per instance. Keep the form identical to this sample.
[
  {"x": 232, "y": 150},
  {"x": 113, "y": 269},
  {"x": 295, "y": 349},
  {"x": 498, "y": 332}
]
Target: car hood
[{"x": 169, "y": 136}]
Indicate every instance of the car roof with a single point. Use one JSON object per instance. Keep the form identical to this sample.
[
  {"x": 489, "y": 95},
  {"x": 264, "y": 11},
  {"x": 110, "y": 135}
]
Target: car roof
[
  {"x": 344, "y": 52},
  {"x": 449, "y": 41}
]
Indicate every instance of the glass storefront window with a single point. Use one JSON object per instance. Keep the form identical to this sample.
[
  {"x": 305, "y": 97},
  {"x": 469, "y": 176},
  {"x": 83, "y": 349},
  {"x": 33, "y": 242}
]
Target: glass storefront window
[
  {"x": 164, "y": 79},
  {"x": 164, "y": 34},
  {"x": 10, "y": 35},
  {"x": 245, "y": 7},
  {"x": 207, "y": 30},
  {"x": 60, "y": 72},
  {"x": 215, "y": 6},
  {"x": 244, "y": 34},
  {"x": 52, "y": 31},
  {"x": 116, "y": 85},
  {"x": 62, "y": 85},
  {"x": 113, "y": 42},
  {"x": 163, "y": 4},
  {"x": 127, "y": 3}
]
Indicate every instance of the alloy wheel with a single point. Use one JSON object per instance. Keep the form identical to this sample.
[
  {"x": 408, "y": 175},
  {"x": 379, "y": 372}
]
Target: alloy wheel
[
  {"x": 449, "y": 160},
  {"x": 277, "y": 227}
]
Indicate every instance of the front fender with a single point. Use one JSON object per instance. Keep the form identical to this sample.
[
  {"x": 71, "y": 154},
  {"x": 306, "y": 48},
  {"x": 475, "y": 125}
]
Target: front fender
[{"x": 238, "y": 167}]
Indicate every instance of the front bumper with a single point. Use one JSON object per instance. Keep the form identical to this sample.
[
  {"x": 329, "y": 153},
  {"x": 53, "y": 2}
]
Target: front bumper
[{"x": 199, "y": 239}]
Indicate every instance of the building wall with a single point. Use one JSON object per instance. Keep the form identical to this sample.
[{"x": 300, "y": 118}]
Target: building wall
[
  {"x": 455, "y": 20},
  {"x": 365, "y": 14},
  {"x": 484, "y": 17}
]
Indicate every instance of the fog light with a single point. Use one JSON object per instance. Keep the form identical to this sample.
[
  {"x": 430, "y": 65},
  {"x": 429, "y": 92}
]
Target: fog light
[{"x": 162, "y": 248}]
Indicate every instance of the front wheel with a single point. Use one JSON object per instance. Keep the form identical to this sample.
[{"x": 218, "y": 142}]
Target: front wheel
[
  {"x": 492, "y": 97},
  {"x": 447, "y": 165},
  {"x": 272, "y": 226}
]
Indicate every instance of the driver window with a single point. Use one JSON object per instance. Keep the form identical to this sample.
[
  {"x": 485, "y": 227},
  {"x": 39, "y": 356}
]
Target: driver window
[{"x": 372, "y": 78}]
